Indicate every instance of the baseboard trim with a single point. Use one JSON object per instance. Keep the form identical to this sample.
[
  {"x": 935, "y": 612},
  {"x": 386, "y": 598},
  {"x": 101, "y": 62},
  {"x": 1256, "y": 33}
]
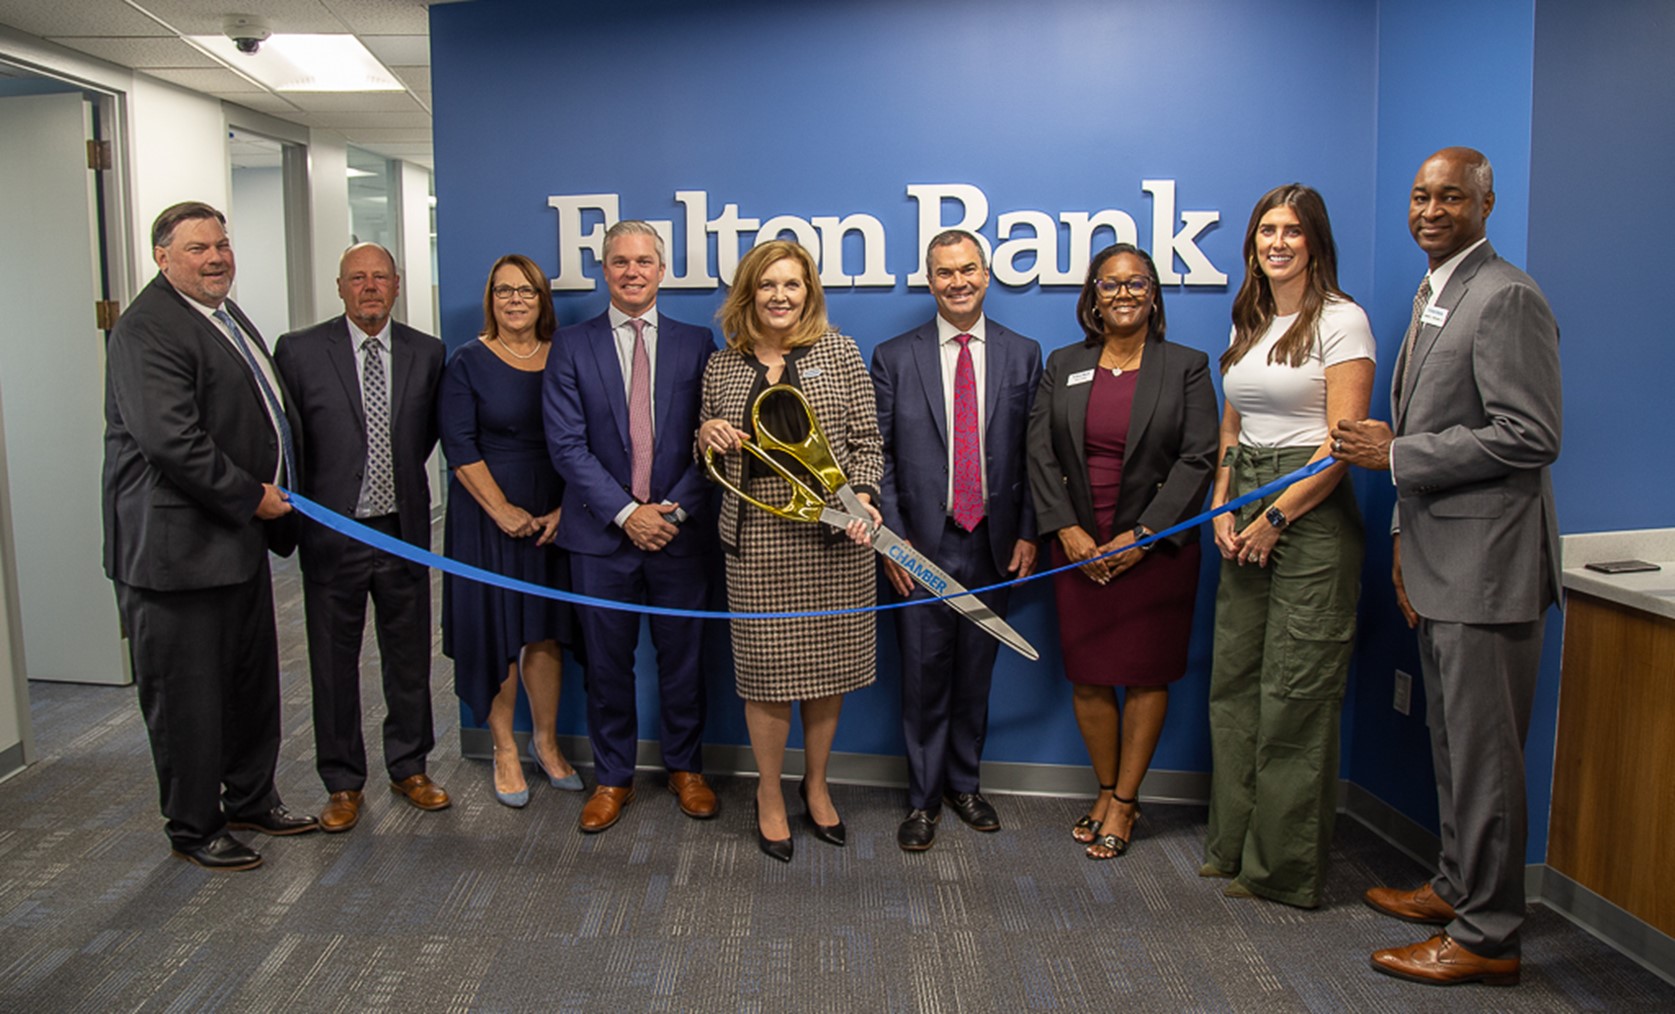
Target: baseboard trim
[
  {"x": 999, "y": 777},
  {"x": 1409, "y": 836},
  {"x": 1648, "y": 946},
  {"x": 11, "y": 761}
]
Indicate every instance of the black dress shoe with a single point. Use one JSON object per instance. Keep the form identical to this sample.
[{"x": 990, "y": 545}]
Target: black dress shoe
[
  {"x": 222, "y": 852},
  {"x": 831, "y": 834},
  {"x": 277, "y": 821},
  {"x": 918, "y": 831},
  {"x": 974, "y": 810},
  {"x": 780, "y": 849}
]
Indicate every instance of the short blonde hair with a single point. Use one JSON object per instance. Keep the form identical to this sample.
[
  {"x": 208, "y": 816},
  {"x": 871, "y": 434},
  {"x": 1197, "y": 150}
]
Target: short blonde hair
[{"x": 737, "y": 315}]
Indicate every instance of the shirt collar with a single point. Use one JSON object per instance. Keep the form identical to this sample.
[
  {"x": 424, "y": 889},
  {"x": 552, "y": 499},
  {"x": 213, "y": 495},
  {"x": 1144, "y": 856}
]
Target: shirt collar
[
  {"x": 618, "y": 318},
  {"x": 1440, "y": 274},
  {"x": 945, "y": 332},
  {"x": 359, "y": 337}
]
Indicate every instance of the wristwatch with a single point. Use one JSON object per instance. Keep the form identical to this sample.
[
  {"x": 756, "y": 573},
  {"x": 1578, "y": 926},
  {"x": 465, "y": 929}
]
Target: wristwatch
[
  {"x": 1276, "y": 517},
  {"x": 1141, "y": 533}
]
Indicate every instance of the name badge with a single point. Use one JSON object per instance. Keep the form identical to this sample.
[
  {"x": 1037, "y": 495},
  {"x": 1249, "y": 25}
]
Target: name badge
[
  {"x": 812, "y": 372},
  {"x": 1436, "y": 316},
  {"x": 1079, "y": 377}
]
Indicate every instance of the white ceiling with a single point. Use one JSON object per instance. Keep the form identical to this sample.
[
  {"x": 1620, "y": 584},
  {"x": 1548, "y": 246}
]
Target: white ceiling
[{"x": 146, "y": 36}]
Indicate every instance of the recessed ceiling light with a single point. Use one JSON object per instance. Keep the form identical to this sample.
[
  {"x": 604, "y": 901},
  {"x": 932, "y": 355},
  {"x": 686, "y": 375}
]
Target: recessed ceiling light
[{"x": 305, "y": 63}]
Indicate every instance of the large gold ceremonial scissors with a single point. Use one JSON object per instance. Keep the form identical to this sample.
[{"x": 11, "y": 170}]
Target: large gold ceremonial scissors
[{"x": 807, "y": 504}]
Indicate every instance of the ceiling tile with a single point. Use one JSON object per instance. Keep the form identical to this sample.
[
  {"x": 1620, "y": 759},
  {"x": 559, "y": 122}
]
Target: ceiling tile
[
  {"x": 354, "y": 102},
  {"x": 48, "y": 18},
  {"x": 382, "y": 17},
  {"x": 210, "y": 82},
  {"x": 415, "y": 78},
  {"x": 400, "y": 50},
  {"x": 393, "y": 135},
  {"x": 346, "y": 121},
  {"x": 141, "y": 53},
  {"x": 267, "y": 102},
  {"x": 195, "y": 17}
]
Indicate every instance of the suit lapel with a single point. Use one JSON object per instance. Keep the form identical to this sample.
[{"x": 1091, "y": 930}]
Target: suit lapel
[
  {"x": 1452, "y": 295},
  {"x": 1147, "y": 386},
  {"x": 663, "y": 386},
  {"x": 1084, "y": 358},
  {"x": 995, "y": 349},
  {"x": 340, "y": 351},
  {"x": 401, "y": 368},
  {"x": 602, "y": 344},
  {"x": 927, "y": 359}
]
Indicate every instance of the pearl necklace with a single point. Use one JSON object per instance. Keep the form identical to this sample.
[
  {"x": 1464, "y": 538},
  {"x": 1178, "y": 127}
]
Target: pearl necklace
[{"x": 519, "y": 355}]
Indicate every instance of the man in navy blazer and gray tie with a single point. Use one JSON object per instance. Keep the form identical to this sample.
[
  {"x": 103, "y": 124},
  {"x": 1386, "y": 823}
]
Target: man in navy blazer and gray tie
[
  {"x": 1477, "y": 420},
  {"x": 620, "y": 406},
  {"x": 366, "y": 386},
  {"x": 954, "y": 396}
]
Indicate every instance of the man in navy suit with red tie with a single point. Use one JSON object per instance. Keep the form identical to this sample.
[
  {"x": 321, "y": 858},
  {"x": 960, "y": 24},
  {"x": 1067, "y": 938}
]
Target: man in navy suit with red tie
[
  {"x": 954, "y": 396},
  {"x": 621, "y": 398}
]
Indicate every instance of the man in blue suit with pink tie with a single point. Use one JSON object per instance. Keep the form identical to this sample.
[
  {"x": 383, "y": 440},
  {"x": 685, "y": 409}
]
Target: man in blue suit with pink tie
[
  {"x": 620, "y": 405},
  {"x": 954, "y": 396}
]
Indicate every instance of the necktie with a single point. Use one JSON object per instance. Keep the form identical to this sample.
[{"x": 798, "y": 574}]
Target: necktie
[
  {"x": 276, "y": 408},
  {"x": 1420, "y": 299},
  {"x": 968, "y": 459},
  {"x": 639, "y": 414},
  {"x": 378, "y": 486}
]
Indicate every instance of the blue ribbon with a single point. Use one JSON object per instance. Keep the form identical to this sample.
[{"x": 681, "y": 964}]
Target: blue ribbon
[{"x": 424, "y": 557}]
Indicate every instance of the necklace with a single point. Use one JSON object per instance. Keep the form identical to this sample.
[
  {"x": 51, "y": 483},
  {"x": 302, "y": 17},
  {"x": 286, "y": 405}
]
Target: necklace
[
  {"x": 1117, "y": 370},
  {"x": 516, "y": 354}
]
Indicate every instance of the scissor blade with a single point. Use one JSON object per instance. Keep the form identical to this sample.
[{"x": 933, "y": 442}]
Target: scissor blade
[{"x": 936, "y": 581}]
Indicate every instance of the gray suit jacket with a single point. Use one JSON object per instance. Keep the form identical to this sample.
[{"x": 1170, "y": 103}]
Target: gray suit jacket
[{"x": 1476, "y": 427}]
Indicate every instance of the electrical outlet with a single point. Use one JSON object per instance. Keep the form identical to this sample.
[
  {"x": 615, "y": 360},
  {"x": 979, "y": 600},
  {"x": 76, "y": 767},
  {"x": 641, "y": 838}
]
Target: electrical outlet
[{"x": 1404, "y": 693}]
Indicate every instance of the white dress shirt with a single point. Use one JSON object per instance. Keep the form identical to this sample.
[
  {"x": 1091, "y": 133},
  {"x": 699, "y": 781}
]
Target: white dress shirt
[
  {"x": 262, "y": 362},
  {"x": 622, "y": 335},
  {"x": 946, "y": 334}
]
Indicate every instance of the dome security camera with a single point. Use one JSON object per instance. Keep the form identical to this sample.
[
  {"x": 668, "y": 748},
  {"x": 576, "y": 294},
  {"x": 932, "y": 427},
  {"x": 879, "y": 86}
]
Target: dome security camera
[{"x": 248, "y": 31}]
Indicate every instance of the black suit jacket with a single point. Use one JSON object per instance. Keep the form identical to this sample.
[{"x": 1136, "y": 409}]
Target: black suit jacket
[
  {"x": 1172, "y": 436},
  {"x": 912, "y": 416},
  {"x": 188, "y": 444},
  {"x": 321, "y": 368}
]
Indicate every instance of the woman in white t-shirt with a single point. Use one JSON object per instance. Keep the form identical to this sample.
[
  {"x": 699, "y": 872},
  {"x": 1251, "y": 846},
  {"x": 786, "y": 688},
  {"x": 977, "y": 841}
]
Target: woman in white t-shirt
[{"x": 1301, "y": 356}]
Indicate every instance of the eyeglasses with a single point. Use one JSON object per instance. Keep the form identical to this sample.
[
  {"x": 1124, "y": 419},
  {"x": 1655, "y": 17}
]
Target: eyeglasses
[
  {"x": 506, "y": 292},
  {"x": 1138, "y": 285}
]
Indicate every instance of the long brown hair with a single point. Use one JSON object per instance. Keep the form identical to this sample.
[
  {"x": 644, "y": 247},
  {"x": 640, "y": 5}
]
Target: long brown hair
[
  {"x": 1253, "y": 307},
  {"x": 546, "y": 319},
  {"x": 737, "y": 315}
]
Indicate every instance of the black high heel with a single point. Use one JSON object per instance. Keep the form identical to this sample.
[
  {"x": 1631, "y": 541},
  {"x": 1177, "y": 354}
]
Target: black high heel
[
  {"x": 1087, "y": 823},
  {"x": 1111, "y": 842},
  {"x": 780, "y": 849},
  {"x": 831, "y": 834}
]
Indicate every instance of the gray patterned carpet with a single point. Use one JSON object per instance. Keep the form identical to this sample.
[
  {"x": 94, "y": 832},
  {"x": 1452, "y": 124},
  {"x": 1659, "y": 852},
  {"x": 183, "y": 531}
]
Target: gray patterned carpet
[{"x": 483, "y": 908}]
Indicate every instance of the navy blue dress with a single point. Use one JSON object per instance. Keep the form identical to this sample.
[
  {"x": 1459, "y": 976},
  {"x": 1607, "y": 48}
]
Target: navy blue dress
[{"x": 490, "y": 411}]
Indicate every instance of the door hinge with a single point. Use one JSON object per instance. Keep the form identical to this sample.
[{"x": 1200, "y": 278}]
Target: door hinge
[
  {"x": 105, "y": 312},
  {"x": 98, "y": 155}
]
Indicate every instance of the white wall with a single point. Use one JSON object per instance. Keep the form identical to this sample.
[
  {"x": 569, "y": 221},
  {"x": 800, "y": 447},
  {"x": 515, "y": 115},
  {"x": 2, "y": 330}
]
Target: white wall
[
  {"x": 258, "y": 210},
  {"x": 328, "y": 175},
  {"x": 14, "y": 693},
  {"x": 416, "y": 280},
  {"x": 178, "y": 152}
]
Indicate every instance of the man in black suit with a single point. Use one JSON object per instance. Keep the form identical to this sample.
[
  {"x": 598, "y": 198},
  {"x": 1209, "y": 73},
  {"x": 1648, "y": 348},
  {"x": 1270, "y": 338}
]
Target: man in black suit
[
  {"x": 197, "y": 441},
  {"x": 976, "y": 522},
  {"x": 365, "y": 388}
]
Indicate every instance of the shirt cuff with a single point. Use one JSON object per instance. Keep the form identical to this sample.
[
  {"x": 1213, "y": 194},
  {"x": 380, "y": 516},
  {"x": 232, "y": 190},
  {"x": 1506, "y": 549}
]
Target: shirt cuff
[{"x": 622, "y": 515}]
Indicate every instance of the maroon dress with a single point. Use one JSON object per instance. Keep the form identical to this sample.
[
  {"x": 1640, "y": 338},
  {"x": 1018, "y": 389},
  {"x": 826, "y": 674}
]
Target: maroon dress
[{"x": 1133, "y": 631}]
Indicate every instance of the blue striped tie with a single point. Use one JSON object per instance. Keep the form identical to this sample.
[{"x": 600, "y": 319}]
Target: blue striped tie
[{"x": 275, "y": 407}]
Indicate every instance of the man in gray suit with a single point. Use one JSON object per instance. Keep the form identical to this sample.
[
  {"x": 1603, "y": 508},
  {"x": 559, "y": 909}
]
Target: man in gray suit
[{"x": 1475, "y": 401}]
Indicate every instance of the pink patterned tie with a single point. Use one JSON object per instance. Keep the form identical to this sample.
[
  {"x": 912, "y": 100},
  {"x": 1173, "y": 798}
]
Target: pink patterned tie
[
  {"x": 639, "y": 414},
  {"x": 968, "y": 459}
]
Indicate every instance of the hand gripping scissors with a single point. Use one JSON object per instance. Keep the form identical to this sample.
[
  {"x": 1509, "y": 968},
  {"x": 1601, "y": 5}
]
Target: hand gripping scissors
[{"x": 806, "y": 504}]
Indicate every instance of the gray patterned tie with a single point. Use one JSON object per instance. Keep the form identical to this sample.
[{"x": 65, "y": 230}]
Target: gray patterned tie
[
  {"x": 1420, "y": 300},
  {"x": 378, "y": 486}
]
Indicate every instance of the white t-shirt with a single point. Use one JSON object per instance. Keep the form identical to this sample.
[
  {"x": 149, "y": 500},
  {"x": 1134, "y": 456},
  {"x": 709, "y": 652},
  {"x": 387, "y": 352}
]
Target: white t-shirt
[{"x": 1285, "y": 406}]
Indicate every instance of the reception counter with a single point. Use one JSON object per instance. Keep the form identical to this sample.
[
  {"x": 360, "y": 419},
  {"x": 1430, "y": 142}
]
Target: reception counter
[{"x": 1612, "y": 825}]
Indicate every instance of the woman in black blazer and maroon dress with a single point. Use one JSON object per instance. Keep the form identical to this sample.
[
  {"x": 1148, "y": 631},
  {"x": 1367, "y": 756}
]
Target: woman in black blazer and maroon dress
[{"x": 1122, "y": 444}]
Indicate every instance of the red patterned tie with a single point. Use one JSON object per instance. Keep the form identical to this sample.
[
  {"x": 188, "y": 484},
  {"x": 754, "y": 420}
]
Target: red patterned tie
[
  {"x": 639, "y": 414},
  {"x": 968, "y": 458}
]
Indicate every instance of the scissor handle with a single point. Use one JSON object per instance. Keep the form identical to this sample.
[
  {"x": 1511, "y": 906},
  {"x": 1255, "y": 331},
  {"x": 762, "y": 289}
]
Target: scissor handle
[
  {"x": 804, "y": 505},
  {"x": 812, "y": 451}
]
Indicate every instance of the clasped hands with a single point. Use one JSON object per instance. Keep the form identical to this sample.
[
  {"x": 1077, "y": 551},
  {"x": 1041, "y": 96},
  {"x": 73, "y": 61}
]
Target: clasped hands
[
  {"x": 723, "y": 437},
  {"x": 1079, "y": 546},
  {"x": 1253, "y": 545},
  {"x": 520, "y": 524}
]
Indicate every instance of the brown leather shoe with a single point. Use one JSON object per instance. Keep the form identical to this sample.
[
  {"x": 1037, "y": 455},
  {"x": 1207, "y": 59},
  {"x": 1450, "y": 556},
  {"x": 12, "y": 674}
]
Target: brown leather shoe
[
  {"x": 1419, "y": 905},
  {"x": 696, "y": 798},
  {"x": 605, "y": 807},
  {"x": 421, "y": 792},
  {"x": 342, "y": 812},
  {"x": 1441, "y": 961}
]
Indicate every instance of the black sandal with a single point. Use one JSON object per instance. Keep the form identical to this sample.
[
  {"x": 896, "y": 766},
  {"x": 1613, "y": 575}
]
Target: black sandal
[
  {"x": 1110, "y": 842},
  {"x": 1087, "y": 823}
]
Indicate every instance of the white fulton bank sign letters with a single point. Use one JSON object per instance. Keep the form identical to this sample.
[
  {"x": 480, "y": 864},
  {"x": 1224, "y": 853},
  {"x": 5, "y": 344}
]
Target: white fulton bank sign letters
[{"x": 1037, "y": 240}]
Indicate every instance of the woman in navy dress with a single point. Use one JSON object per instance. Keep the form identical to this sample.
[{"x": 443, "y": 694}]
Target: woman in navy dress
[
  {"x": 1122, "y": 442},
  {"x": 503, "y": 506}
]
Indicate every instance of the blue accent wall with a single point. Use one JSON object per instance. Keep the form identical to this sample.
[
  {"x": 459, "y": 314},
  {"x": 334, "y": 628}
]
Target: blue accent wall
[{"x": 831, "y": 109}]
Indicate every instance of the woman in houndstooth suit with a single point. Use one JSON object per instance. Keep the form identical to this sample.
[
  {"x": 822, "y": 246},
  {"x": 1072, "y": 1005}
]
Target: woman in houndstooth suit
[{"x": 775, "y": 323}]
